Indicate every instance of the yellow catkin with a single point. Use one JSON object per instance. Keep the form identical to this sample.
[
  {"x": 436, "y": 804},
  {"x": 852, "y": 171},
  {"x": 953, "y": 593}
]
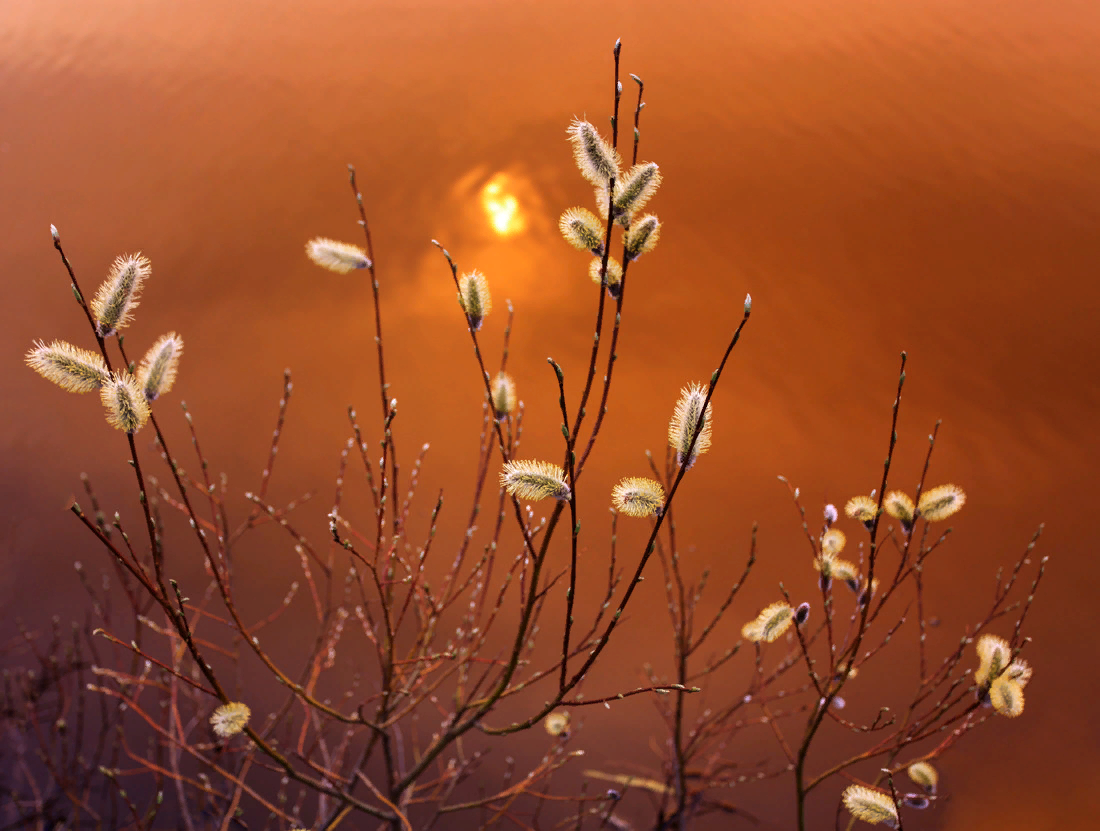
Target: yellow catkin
[
  {"x": 504, "y": 394},
  {"x": 772, "y": 622},
  {"x": 685, "y": 421},
  {"x": 870, "y": 805},
  {"x": 900, "y": 506},
  {"x": 557, "y": 724},
  {"x": 1006, "y": 696},
  {"x": 863, "y": 508},
  {"x": 993, "y": 657},
  {"x": 637, "y": 496},
  {"x": 834, "y": 568},
  {"x": 534, "y": 480},
  {"x": 832, "y": 542},
  {"x": 847, "y": 572},
  {"x": 230, "y": 719},
  {"x": 70, "y": 367},
  {"x": 340, "y": 257},
  {"x": 941, "y": 502},
  {"x": 924, "y": 775}
]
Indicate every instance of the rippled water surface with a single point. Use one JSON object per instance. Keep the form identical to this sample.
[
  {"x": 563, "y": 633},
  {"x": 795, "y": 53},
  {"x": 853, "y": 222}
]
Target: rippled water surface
[{"x": 880, "y": 176}]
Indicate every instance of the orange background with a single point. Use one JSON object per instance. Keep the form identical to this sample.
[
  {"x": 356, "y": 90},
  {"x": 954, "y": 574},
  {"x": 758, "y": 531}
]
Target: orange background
[{"x": 880, "y": 176}]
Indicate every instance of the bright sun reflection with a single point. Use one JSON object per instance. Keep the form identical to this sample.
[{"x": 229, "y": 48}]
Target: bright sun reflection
[{"x": 501, "y": 207}]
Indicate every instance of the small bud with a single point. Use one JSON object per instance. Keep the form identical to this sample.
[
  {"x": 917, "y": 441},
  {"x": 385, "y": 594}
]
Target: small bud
[
  {"x": 802, "y": 614},
  {"x": 748, "y": 304},
  {"x": 830, "y": 514},
  {"x": 53, "y": 233}
]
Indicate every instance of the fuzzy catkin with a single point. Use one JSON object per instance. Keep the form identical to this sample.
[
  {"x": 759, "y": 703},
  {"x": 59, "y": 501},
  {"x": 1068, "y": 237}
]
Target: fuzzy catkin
[
  {"x": 114, "y": 303},
  {"x": 70, "y": 367}
]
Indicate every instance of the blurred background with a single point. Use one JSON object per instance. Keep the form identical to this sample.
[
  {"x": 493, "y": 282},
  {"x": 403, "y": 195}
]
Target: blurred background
[{"x": 880, "y": 176}]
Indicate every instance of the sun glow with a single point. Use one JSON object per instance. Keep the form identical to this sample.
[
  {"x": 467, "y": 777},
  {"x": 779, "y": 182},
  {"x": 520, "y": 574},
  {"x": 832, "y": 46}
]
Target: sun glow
[{"x": 501, "y": 207}]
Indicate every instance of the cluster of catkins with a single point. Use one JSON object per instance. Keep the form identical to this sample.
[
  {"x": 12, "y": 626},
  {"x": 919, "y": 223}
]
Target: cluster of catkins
[{"x": 125, "y": 393}]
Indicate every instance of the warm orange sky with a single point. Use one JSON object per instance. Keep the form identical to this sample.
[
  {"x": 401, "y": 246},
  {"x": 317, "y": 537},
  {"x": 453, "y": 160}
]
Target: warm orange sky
[{"x": 906, "y": 175}]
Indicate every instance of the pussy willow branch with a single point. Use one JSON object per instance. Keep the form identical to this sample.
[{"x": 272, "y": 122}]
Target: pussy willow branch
[
  {"x": 824, "y": 585},
  {"x": 570, "y": 472},
  {"x": 484, "y": 457},
  {"x": 150, "y": 526},
  {"x": 730, "y": 595},
  {"x": 618, "y": 93},
  {"x": 496, "y": 423},
  {"x": 682, "y": 646},
  {"x": 715, "y": 377},
  {"x": 850, "y": 654},
  {"x": 601, "y": 644},
  {"x": 582, "y": 407},
  {"x": 223, "y": 589},
  {"x": 637, "y": 116},
  {"x": 457, "y": 728},
  {"x": 571, "y": 437},
  {"x": 909, "y": 536},
  {"x": 81, "y": 299},
  {"x": 383, "y": 387},
  {"x": 611, "y": 356},
  {"x": 178, "y": 617}
]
